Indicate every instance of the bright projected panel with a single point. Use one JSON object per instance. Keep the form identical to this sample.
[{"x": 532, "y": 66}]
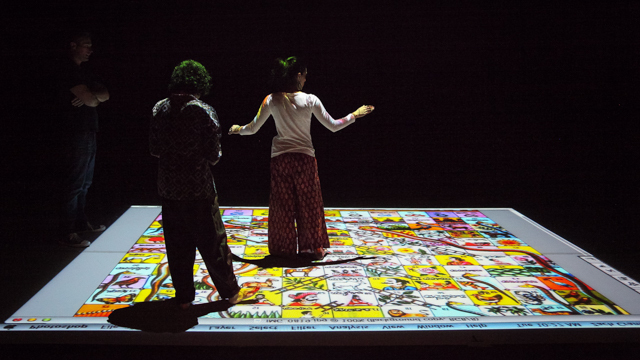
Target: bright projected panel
[{"x": 418, "y": 270}]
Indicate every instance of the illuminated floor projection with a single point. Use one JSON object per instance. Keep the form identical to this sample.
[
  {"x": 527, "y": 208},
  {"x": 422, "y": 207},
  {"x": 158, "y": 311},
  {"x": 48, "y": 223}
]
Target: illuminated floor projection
[{"x": 406, "y": 269}]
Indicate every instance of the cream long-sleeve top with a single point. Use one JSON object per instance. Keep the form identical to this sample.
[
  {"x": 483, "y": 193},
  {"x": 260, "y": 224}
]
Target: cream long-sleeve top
[{"x": 292, "y": 114}]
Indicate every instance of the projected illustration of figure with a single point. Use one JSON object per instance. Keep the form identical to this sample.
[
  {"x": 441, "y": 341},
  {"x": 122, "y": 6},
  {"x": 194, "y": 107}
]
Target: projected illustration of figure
[
  {"x": 454, "y": 260},
  {"x": 357, "y": 301},
  {"x": 304, "y": 299},
  {"x": 296, "y": 197},
  {"x": 185, "y": 135},
  {"x": 397, "y": 284},
  {"x": 79, "y": 93},
  {"x": 400, "y": 313}
]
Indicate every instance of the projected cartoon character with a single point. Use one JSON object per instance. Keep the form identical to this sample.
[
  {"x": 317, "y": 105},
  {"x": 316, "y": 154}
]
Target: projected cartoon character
[
  {"x": 260, "y": 299},
  {"x": 304, "y": 299},
  {"x": 398, "y": 284},
  {"x": 454, "y": 260},
  {"x": 357, "y": 301},
  {"x": 400, "y": 313}
]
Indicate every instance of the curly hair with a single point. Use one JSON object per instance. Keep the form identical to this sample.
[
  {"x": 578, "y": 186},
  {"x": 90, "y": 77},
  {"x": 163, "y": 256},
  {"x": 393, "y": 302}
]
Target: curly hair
[
  {"x": 285, "y": 72},
  {"x": 190, "y": 77}
]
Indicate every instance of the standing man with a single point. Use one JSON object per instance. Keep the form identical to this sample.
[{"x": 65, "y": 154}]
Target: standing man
[
  {"x": 80, "y": 92},
  {"x": 185, "y": 136}
]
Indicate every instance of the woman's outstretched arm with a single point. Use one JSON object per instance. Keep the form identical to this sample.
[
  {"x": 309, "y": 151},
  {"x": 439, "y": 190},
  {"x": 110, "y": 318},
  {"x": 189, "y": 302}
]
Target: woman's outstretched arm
[{"x": 255, "y": 125}]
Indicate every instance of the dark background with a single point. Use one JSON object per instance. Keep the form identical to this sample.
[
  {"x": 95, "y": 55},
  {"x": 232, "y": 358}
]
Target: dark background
[{"x": 526, "y": 106}]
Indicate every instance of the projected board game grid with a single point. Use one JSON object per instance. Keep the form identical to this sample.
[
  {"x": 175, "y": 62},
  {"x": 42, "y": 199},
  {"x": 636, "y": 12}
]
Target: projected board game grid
[
  {"x": 390, "y": 265},
  {"x": 420, "y": 264}
]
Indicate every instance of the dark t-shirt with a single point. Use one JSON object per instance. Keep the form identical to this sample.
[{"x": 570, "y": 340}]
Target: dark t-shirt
[{"x": 76, "y": 119}]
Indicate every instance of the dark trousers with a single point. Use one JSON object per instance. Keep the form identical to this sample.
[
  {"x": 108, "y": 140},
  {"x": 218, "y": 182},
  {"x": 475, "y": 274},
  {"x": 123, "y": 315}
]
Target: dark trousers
[
  {"x": 80, "y": 161},
  {"x": 296, "y": 209},
  {"x": 196, "y": 224}
]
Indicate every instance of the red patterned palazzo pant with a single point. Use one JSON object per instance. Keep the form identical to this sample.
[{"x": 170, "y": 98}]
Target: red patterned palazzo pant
[{"x": 296, "y": 210}]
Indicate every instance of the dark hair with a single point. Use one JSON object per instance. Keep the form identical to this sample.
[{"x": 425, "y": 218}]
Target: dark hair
[
  {"x": 190, "y": 77},
  {"x": 285, "y": 72},
  {"x": 76, "y": 36}
]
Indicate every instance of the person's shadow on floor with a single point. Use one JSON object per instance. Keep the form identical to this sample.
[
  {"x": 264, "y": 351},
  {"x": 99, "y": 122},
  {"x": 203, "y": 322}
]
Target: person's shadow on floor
[
  {"x": 163, "y": 316},
  {"x": 166, "y": 316}
]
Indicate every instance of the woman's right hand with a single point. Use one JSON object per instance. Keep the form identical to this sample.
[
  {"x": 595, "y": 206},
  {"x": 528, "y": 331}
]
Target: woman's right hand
[
  {"x": 235, "y": 129},
  {"x": 363, "y": 110}
]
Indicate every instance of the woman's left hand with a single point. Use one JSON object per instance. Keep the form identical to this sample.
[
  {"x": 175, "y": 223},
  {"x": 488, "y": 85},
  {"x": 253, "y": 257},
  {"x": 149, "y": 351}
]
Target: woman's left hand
[{"x": 235, "y": 129}]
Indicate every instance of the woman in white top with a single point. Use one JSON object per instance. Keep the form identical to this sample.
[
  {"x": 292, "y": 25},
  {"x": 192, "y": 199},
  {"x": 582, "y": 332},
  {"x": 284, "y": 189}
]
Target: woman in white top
[{"x": 296, "y": 197}]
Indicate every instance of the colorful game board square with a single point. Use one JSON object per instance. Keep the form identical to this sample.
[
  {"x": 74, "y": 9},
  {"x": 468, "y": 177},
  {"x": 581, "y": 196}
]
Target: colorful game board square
[
  {"x": 409, "y": 215},
  {"x": 508, "y": 242},
  {"x": 455, "y": 310},
  {"x": 307, "y": 271},
  {"x": 353, "y": 298},
  {"x": 98, "y": 310},
  {"x": 440, "y": 298},
  {"x": 336, "y": 226},
  {"x": 532, "y": 296},
  {"x": 458, "y": 227},
  {"x": 369, "y": 241},
  {"x": 415, "y": 259},
  {"x": 392, "y": 283},
  {"x": 558, "y": 283},
  {"x": 132, "y": 268},
  {"x": 332, "y": 214},
  {"x": 447, "y": 250},
  {"x": 400, "y": 298},
  {"x": 149, "y": 248},
  {"x": 468, "y": 233},
  {"x": 237, "y": 220},
  {"x": 338, "y": 233},
  {"x": 472, "y": 242},
  {"x": 469, "y": 214},
  {"x": 455, "y": 270},
  {"x": 143, "y": 258},
  {"x": 153, "y": 232},
  {"x": 595, "y": 310},
  {"x": 341, "y": 241},
  {"x": 445, "y": 284},
  {"x": 506, "y": 270},
  {"x": 503, "y": 310},
  {"x": 364, "y": 226},
  {"x": 449, "y": 220},
  {"x": 383, "y": 214},
  {"x": 410, "y": 250},
  {"x": 395, "y": 220},
  {"x": 356, "y": 216},
  {"x": 456, "y": 260},
  {"x": 470, "y": 282},
  {"x": 304, "y": 283},
  {"x": 395, "y": 227},
  {"x": 151, "y": 240},
  {"x": 432, "y": 234},
  {"x": 342, "y": 250},
  {"x": 575, "y": 297},
  {"x": 518, "y": 250},
  {"x": 441, "y": 214},
  {"x": 374, "y": 250},
  {"x": 344, "y": 270},
  {"x": 357, "y": 312},
  {"x": 255, "y": 312},
  {"x": 425, "y": 271},
  {"x": 348, "y": 284},
  {"x": 491, "y": 297},
  {"x": 238, "y": 212},
  {"x": 497, "y": 260},
  {"x": 495, "y": 234},
  {"x": 260, "y": 212},
  {"x": 406, "y": 312},
  {"x": 333, "y": 219},
  {"x": 518, "y": 282}
]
